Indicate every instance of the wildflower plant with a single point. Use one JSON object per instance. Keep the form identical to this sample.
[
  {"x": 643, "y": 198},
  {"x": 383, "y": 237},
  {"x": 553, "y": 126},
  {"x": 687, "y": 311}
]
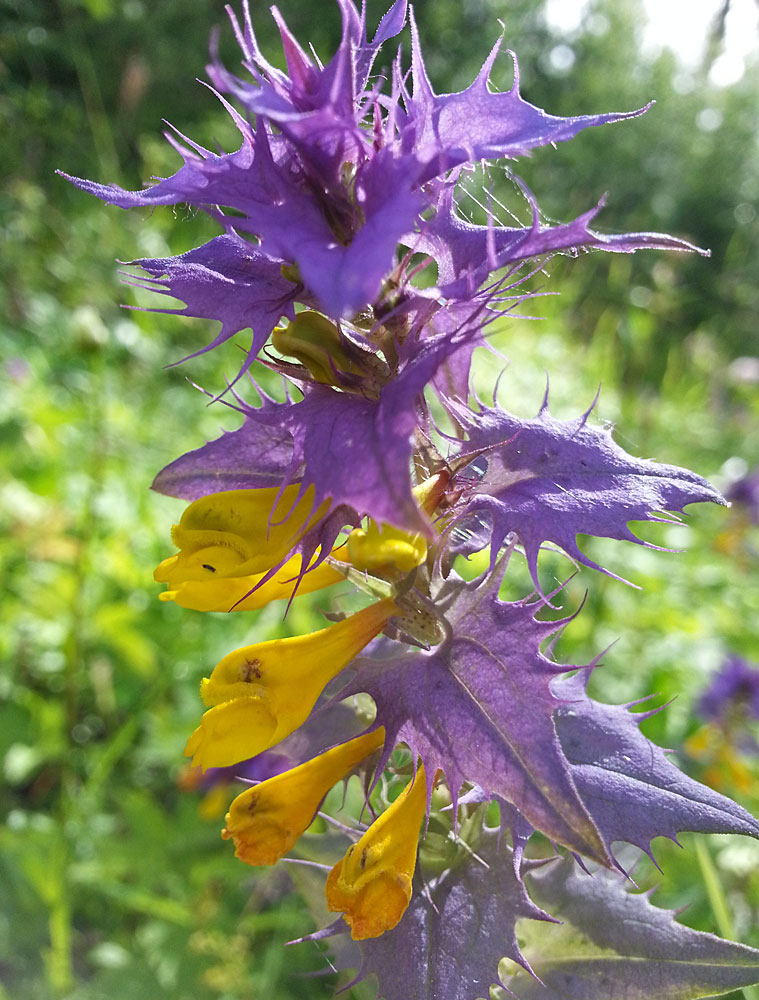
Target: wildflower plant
[{"x": 345, "y": 253}]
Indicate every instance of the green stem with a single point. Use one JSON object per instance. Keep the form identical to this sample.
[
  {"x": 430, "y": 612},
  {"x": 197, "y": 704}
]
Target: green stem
[
  {"x": 59, "y": 959},
  {"x": 49, "y": 881},
  {"x": 718, "y": 902}
]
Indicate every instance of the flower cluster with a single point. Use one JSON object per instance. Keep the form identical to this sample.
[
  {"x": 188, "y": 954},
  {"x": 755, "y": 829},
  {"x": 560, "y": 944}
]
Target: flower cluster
[
  {"x": 726, "y": 746},
  {"x": 345, "y": 252}
]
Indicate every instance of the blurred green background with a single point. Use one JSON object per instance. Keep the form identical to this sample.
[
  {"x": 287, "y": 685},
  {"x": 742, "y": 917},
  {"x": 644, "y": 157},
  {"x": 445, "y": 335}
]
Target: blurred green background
[{"x": 115, "y": 882}]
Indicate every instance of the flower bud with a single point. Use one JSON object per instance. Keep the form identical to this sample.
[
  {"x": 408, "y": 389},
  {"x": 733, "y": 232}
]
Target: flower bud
[
  {"x": 319, "y": 346},
  {"x": 383, "y": 550}
]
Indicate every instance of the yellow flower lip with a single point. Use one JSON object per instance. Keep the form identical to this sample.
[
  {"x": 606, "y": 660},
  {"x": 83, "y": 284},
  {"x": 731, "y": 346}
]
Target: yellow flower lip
[
  {"x": 371, "y": 884},
  {"x": 259, "y": 694},
  {"x": 265, "y": 821},
  {"x": 238, "y": 533},
  {"x": 245, "y": 593},
  {"x": 228, "y": 730}
]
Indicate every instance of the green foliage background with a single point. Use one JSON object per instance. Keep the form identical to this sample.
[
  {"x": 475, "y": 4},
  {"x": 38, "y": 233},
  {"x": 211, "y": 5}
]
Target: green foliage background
[{"x": 113, "y": 884}]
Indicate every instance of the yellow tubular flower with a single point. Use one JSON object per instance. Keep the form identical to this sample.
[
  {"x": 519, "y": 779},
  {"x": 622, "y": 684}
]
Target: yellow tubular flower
[
  {"x": 235, "y": 536},
  {"x": 371, "y": 885},
  {"x": 228, "y": 593},
  {"x": 266, "y": 820},
  {"x": 380, "y": 550},
  {"x": 259, "y": 694}
]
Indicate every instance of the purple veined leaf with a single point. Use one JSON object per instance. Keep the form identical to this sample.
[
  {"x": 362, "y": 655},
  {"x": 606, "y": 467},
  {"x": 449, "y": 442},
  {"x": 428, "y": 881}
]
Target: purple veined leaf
[
  {"x": 475, "y": 315},
  {"x": 258, "y": 454},
  {"x": 465, "y": 323},
  {"x": 358, "y": 451},
  {"x": 345, "y": 77},
  {"x": 392, "y": 23},
  {"x": 334, "y": 173},
  {"x": 273, "y": 204},
  {"x": 353, "y": 450},
  {"x": 628, "y": 784},
  {"x": 452, "y": 937},
  {"x": 344, "y": 258},
  {"x": 205, "y": 179},
  {"x": 336, "y": 88},
  {"x": 550, "y": 480},
  {"x": 316, "y": 110},
  {"x": 256, "y": 181},
  {"x": 615, "y": 943},
  {"x": 346, "y": 278},
  {"x": 480, "y": 708}
]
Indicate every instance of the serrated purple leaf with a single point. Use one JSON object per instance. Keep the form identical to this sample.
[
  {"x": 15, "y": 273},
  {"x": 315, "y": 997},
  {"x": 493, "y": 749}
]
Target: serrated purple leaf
[
  {"x": 550, "y": 480},
  {"x": 448, "y": 944},
  {"x": 482, "y": 123},
  {"x": 629, "y": 785},
  {"x": 466, "y": 254},
  {"x": 226, "y": 279},
  {"x": 259, "y": 454},
  {"x": 358, "y": 451},
  {"x": 481, "y": 709},
  {"x": 351, "y": 449},
  {"x": 614, "y": 943},
  {"x": 333, "y": 173}
]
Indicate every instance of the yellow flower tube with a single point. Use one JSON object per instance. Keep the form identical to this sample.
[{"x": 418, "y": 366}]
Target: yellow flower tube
[
  {"x": 381, "y": 550},
  {"x": 371, "y": 884},
  {"x": 266, "y": 820},
  {"x": 261, "y": 693}
]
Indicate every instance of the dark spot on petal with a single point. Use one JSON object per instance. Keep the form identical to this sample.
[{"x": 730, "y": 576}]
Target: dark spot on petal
[
  {"x": 249, "y": 670},
  {"x": 211, "y": 568}
]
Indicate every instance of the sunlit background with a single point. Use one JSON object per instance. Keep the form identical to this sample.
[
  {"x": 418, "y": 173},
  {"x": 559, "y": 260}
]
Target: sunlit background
[
  {"x": 718, "y": 36},
  {"x": 115, "y": 881}
]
